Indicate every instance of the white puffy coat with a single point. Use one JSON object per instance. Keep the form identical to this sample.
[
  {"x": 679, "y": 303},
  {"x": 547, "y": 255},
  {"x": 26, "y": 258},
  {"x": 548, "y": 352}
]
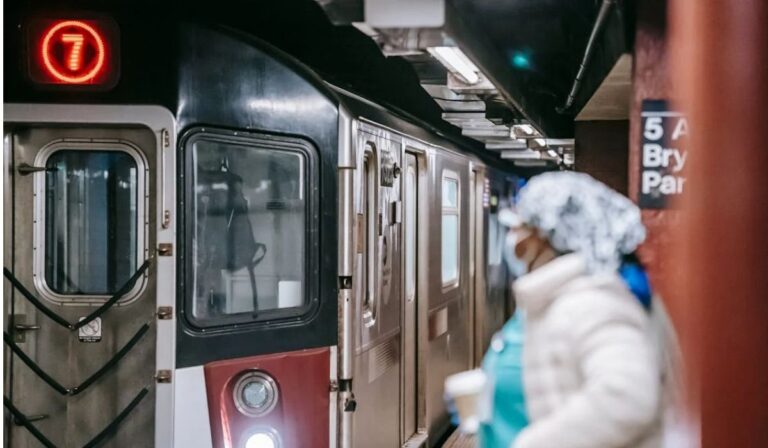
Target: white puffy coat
[{"x": 591, "y": 371}]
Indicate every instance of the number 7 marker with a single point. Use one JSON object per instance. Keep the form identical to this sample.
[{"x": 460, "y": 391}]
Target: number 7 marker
[{"x": 75, "y": 59}]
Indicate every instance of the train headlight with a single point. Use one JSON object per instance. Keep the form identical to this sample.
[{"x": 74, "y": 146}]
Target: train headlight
[
  {"x": 255, "y": 394},
  {"x": 262, "y": 439}
]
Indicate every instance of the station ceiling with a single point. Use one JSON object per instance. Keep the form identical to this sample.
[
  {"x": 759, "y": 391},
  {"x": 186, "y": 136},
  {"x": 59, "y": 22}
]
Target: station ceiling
[
  {"x": 534, "y": 49},
  {"x": 527, "y": 53}
]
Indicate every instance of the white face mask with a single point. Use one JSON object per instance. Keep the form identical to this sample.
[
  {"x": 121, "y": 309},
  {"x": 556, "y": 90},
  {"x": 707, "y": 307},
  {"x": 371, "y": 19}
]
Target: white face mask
[{"x": 516, "y": 266}]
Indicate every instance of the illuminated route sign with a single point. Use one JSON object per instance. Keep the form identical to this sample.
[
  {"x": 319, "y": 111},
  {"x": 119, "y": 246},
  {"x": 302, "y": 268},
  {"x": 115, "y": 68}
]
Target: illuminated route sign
[{"x": 73, "y": 52}]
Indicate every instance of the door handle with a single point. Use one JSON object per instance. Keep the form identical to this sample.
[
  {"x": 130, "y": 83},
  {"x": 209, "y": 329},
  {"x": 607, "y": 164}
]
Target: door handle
[
  {"x": 20, "y": 328},
  {"x": 25, "y": 169},
  {"x": 30, "y": 419}
]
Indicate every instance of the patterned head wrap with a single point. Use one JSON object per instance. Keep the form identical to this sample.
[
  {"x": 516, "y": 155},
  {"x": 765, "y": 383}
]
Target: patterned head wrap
[{"x": 576, "y": 213}]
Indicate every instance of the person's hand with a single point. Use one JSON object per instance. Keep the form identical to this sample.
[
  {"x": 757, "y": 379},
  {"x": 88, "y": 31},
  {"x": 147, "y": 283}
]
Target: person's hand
[{"x": 450, "y": 406}]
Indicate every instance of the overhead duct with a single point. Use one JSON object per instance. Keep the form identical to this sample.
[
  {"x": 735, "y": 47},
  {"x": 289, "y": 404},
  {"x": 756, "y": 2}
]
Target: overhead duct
[{"x": 602, "y": 17}]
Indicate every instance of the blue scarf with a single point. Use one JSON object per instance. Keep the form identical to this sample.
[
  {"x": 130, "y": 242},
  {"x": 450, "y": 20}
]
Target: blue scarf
[{"x": 637, "y": 281}]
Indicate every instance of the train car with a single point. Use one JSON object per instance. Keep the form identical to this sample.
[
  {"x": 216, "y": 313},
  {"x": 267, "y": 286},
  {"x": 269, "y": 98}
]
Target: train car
[{"x": 206, "y": 245}]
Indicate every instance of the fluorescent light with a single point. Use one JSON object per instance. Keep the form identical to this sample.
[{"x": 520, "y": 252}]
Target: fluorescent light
[
  {"x": 365, "y": 28},
  {"x": 523, "y": 131},
  {"x": 520, "y": 154},
  {"x": 456, "y": 62},
  {"x": 540, "y": 142},
  {"x": 529, "y": 163},
  {"x": 526, "y": 128},
  {"x": 552, "y": 153}
]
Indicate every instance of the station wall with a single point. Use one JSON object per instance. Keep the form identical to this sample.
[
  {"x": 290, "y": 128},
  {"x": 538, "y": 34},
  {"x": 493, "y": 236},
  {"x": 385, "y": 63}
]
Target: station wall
[{"x": 603, "y": 152}]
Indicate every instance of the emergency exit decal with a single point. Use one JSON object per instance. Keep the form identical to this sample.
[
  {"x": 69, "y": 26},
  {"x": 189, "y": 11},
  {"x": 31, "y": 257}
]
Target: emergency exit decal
[{"x": 663, "y": 154}]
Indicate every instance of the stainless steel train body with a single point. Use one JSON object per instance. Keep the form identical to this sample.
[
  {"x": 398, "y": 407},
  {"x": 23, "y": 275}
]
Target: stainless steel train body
[
  {"x": 208, "y": 257},
  {"x": 429, "y": 288}
]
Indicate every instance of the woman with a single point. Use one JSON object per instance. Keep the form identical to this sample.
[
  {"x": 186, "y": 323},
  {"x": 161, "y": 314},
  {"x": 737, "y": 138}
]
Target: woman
[
  {"x": 592, "y": 375},
  {"x": 502, "y": 409}
]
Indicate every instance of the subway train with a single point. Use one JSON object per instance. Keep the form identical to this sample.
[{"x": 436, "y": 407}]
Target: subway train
[{"x": 207, "y": 245}]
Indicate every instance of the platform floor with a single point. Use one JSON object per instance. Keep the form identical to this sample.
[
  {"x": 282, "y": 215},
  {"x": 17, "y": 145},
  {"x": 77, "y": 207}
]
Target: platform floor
[{"x": 460, "y": 440}]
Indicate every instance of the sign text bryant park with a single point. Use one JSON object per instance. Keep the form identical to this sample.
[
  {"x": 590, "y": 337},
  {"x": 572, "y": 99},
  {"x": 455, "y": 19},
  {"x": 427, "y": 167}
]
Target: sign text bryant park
[{"x": 664, "y": 154}]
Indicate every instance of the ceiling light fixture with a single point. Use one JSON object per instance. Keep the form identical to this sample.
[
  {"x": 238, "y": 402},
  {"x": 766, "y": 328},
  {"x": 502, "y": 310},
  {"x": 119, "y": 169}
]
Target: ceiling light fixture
[
  {"x": 523, "y": 131},
  {"x": 456, "y": 62}
]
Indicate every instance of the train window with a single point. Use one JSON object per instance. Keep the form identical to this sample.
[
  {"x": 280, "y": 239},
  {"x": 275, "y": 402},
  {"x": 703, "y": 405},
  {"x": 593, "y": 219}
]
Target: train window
[
  {"x": 92, "y": 209},
  {"x": 249, "y": 242},
  {"x": 496, "y": 239},
  {"x": 450, "y": 229},
  {"x": 370, "y": 214},
  {"x": 410, "y": 232}
]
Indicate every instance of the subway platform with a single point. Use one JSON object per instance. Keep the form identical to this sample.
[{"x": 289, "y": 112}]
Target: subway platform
[{"x": 460, "y": 440}]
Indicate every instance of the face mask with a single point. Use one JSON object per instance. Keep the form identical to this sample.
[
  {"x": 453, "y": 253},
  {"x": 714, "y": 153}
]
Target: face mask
[{"x": 517, "y": 267}]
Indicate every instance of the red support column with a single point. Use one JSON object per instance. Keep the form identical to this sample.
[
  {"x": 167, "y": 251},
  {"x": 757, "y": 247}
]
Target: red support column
[
  {"x": 719, "y": 57},
  {"x": 651, "y": 81}
]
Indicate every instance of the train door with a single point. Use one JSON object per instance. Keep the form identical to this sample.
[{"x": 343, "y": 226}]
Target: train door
[
  {"x": 83, "y": 343},
  {"x": 409, "y": 326},
  {"x": 472, "y": 305},
  {"x": 379, "y": 288},
  {"x": 478, "y": 205}
]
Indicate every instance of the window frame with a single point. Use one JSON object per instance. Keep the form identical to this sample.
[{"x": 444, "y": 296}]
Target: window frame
[
  {"x": 186, "y": 231},
  {"x": 39, "y": 219},
  {"x": 410, "y": 238},
  {"x": 495, "y": 240},
  {"x": 370, "y": 204},
  {"x": 453, "y": 211}
]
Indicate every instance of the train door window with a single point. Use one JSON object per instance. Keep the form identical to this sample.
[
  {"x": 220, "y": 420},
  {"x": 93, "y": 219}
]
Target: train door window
[
  {"x": 370, "y": 216},
  {"x": 92, "y": 218},
  {"x": 496, "y": 239},
  {"x": 450, "y": 229},
  {"x": 249, "y": 245},
  {"x": 410, "y": 234}
]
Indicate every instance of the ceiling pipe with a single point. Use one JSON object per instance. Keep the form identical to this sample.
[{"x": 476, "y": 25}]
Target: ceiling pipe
[{"x": 602, "y": 16}]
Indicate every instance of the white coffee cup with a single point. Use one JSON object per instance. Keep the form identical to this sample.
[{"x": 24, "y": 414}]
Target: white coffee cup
[{"x": 465, "y": 388}]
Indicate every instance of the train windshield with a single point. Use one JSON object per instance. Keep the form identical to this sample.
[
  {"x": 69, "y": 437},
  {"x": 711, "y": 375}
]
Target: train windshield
[{"x": 249, "y": 244}]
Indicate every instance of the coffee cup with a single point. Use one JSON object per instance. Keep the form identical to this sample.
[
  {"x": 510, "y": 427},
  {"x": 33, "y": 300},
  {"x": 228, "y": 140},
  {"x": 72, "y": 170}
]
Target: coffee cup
[{"x": 465, "y": 388}]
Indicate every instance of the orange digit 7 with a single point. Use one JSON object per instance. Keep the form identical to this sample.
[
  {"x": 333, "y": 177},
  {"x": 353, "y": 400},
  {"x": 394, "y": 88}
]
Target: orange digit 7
[{"x": 75, "y": 59}]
